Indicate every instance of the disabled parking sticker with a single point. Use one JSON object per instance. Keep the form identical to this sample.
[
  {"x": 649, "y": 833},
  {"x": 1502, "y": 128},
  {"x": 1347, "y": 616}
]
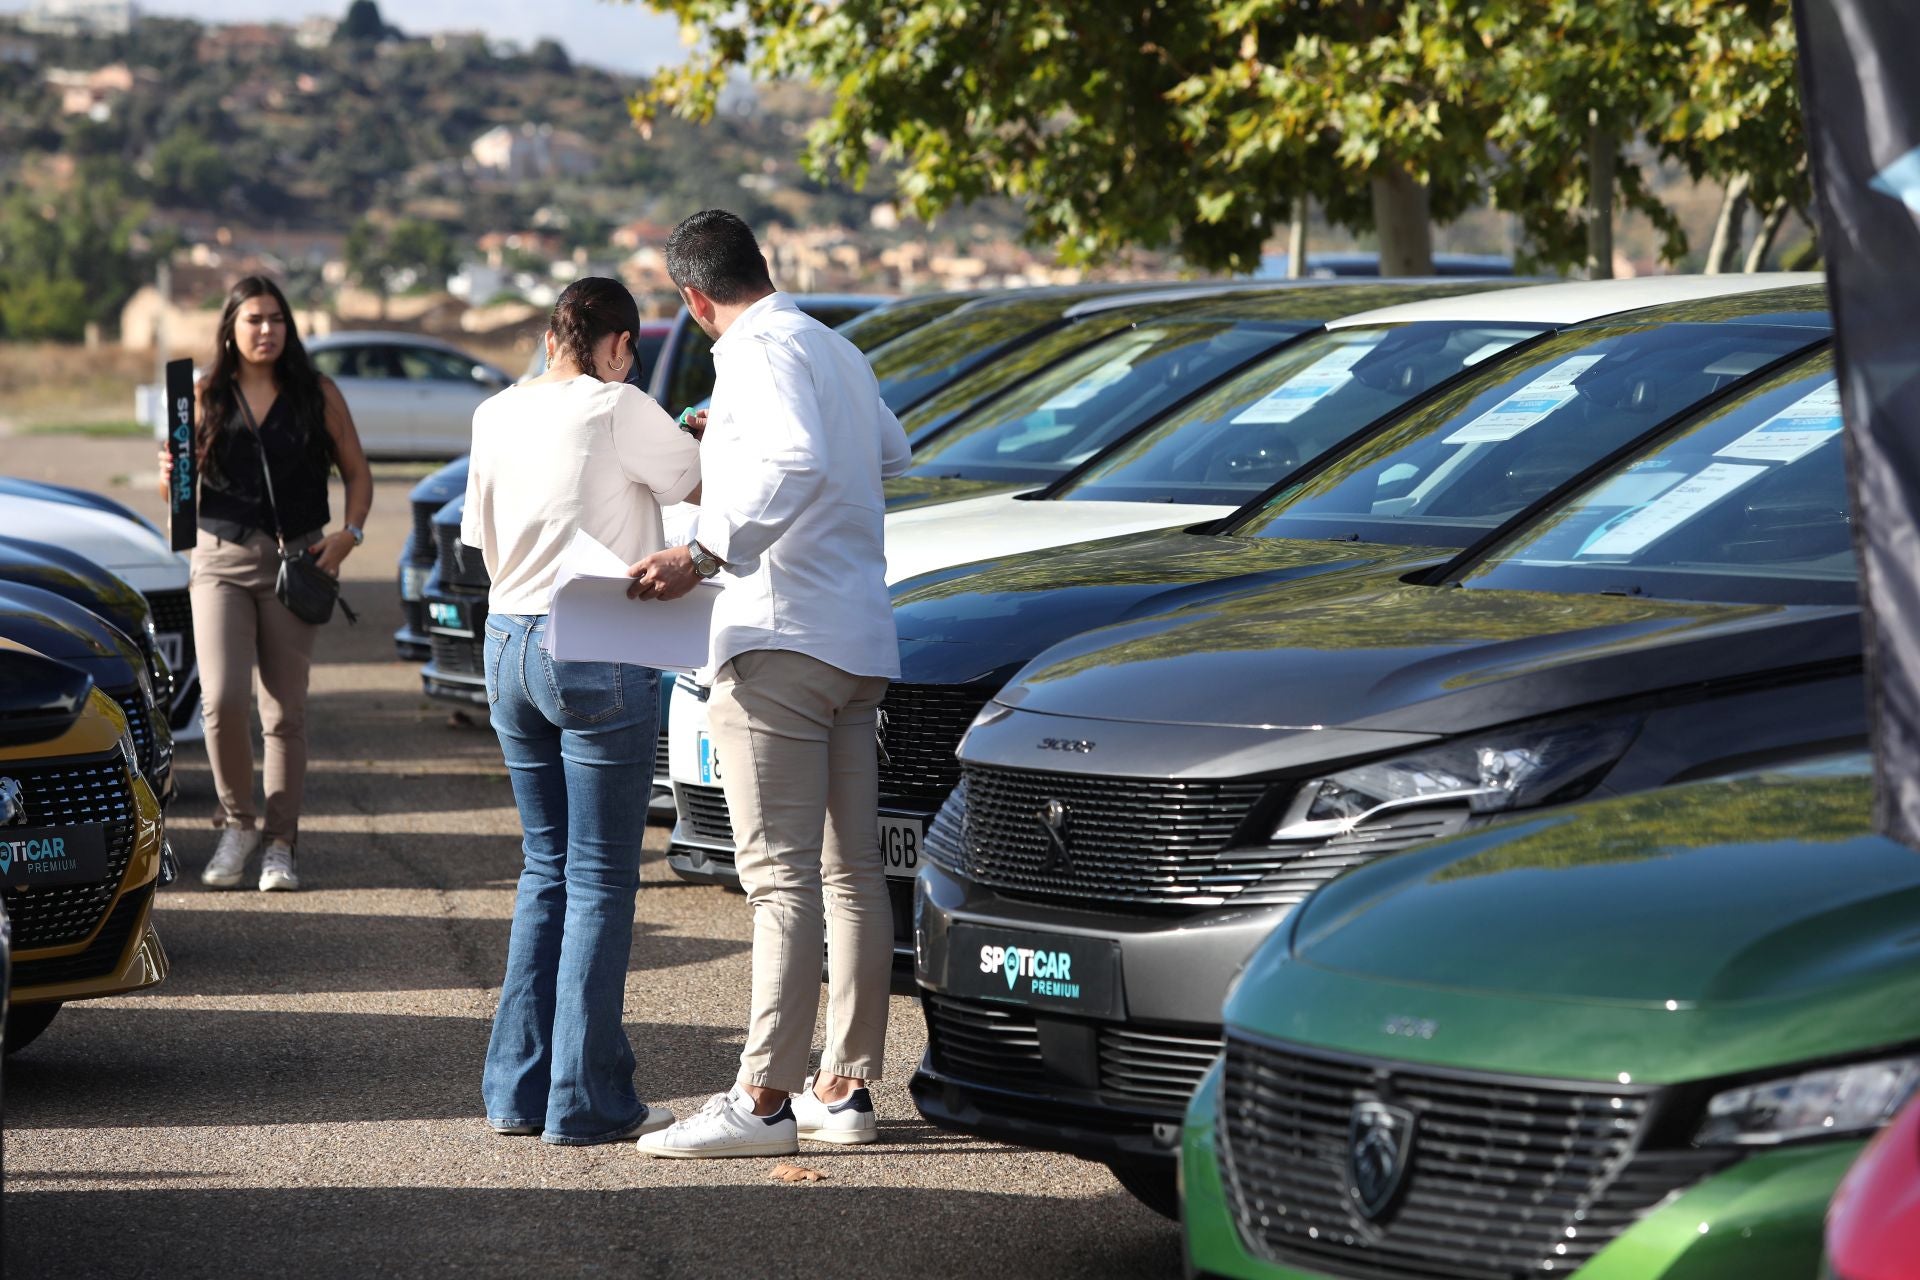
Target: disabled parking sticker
[
  {"x": 1308, "y": 387},
  {"x": 1528, "y": 406},
  {"x": 1794, "y": 432},
  {"x": 1641, "y": 528}
]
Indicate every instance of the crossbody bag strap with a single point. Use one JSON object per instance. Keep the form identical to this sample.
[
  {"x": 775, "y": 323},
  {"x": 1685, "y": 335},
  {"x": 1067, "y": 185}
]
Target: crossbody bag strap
[{"x": 266, "y": 468}]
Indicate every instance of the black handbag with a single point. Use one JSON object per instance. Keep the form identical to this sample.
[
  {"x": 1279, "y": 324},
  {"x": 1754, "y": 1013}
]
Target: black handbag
[{"x": 307, "y": 590}]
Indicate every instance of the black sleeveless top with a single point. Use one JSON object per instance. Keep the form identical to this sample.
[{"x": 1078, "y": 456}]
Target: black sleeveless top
[{"x": 233, "y": 497}]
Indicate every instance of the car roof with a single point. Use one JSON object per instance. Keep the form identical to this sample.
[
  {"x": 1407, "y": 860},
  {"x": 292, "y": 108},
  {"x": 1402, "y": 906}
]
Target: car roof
[
  {"x": 1575, "y": 301},
  {"x": 354, "y": 337}
]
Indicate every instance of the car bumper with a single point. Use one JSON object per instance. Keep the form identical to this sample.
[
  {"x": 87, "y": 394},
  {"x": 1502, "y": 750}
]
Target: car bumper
[
  {"x": 456, "y": 668},
  {"x": 1108, "y": 1081},
  {"x": 412, "y": 642},
  {"x": 1760, "y": 1218}
]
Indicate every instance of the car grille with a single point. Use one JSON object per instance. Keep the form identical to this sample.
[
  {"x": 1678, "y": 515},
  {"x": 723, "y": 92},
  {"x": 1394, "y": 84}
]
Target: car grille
[
  {"x": 173, "y": 615},
  {"x": 1133, "y": 841},
  {"x": 154, "y": 758},
  {"x": 420, "y": 545},
  {"x": 1142, "y": 1069},
  {"x": 460, "y": 565},
  {"x": 455, "y": 656},
  {"x": 102, "y": 955},
  {"x": 661, "y": 771},
  {"x": 707, "y": 815},
  {"x": 1506, "y": 1179},
  {"x": 73, "y": 792},
  {"x": 413, "y": 615},
  {"x": 920, "y": 729}
]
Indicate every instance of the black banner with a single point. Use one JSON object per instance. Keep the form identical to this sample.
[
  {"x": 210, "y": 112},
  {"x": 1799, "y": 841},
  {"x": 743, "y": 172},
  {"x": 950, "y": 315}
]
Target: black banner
[
  {"x": 183, "y": 489},
  {"x": 1862, "y": 104}
]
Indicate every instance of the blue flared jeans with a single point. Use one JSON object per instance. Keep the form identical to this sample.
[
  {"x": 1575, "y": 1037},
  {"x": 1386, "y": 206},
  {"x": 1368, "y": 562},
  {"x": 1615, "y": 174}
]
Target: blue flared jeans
[{"x": 578, "y": 739}]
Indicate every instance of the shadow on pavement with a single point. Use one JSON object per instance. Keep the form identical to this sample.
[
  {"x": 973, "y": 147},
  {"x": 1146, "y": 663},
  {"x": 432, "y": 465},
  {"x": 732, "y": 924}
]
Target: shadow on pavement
[{"x": 822, "y": 1232}]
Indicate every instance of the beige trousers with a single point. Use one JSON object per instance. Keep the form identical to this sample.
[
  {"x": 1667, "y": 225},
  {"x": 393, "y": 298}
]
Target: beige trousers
[
  {"x": 245, "y": 636},
  {"x": 795, "y": 741}
]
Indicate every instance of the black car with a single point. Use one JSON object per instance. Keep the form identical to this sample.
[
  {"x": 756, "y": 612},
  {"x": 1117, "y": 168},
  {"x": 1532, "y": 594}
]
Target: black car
[
  {"x": 412, "y": 641},
  {"x": 871, "y": 330},
  {"x": 1145, "y": 802},
  {"x": 74, "y": 577},
  {"x": 59, "y": 629}
]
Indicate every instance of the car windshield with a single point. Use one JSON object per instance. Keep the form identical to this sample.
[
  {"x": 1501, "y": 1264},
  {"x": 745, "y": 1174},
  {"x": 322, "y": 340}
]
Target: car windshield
[
  {"x": 921, "y": 361},
  {"x": 1476, "y": 455},
  {"x": 1253, "y": 430},
  {"x": 874, "y": 329},
  {"x": 1053, "y": 422},
  {"x": 1747, "y": 505}
]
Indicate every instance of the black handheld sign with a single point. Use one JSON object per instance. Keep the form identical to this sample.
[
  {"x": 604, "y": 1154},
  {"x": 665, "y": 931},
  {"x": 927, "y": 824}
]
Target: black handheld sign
[{"x": 184, "y": 485}]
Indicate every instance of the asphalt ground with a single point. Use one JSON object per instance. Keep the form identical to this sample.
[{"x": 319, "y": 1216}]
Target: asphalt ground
[{"x": 301, "y": 1096}]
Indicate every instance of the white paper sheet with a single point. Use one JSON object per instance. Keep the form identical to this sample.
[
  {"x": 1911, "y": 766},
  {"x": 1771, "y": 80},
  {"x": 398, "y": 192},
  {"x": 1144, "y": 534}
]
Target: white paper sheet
[
  {"x": 1308, "y": 387},
  {"x": 1670, "y": 510},
  {"x": 590, "y": 618},
  {"x": 1792, "y": 433},
  {"x": 1527, "y": 406}
]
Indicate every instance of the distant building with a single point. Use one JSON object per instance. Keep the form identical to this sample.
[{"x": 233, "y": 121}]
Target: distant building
[
  {"x": 80, "y": 18},
  {"x": 18, "y": 52},
  {"x": 242, "y": 42},
  {"x": 532, "y": 152},
  {"x": 90, "y": 93},
  {"x": 315, "y": 33}
]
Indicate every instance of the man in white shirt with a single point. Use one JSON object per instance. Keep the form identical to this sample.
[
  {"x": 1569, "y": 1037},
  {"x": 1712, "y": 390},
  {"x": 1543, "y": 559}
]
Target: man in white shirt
[{"x": 795, "y": 448}]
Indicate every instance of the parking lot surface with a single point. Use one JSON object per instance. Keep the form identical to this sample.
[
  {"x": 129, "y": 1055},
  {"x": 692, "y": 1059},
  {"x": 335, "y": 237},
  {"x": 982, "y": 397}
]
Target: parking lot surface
[{"x": 302, "y": 1094}]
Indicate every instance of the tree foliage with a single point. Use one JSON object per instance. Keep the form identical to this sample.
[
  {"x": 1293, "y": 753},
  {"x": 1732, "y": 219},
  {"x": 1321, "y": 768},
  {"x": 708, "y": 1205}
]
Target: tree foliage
[
  {"x": 67, "y": 257},
  {"x": 1196, "y": 124}
]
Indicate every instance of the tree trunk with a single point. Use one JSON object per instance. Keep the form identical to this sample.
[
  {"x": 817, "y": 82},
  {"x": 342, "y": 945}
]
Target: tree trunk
[
  {"x": 1763, "y": 238},
  {"x": 1402, "y": 219},
  {"x": 1603, "y": 146},
  {"x": 1297, "y": 240},
  {"x": 1725, "y": 249}
]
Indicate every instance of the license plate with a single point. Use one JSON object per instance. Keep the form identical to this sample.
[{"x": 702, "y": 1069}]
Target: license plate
[
  {"x": 446, "y": 617},
  {"x": 413, "y": 582},
  {"x": 173, "y": 647},
  {"x": 900, "y": 845},
  {"x": 1040, "y": 970},
  {"x": 709, "y": 761},
  {"x": 31, "y": 857}
]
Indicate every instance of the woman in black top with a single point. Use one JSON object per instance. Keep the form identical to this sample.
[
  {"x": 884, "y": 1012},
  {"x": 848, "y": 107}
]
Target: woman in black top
[{"x": 263, "y": 399}]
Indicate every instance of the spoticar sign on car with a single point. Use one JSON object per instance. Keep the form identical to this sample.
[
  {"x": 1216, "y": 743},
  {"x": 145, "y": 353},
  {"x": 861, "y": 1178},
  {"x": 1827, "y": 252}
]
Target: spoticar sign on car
[
  {"x": 32, "y": 857},
  {"x": 1052, "y": 971}
]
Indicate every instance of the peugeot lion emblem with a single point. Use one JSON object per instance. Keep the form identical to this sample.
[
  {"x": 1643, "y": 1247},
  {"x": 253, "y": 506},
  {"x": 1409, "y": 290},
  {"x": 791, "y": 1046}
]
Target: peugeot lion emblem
[
  {"x": 13, "y": 802},
  {"x": 1378, "y": 1146},
  {"x": 1055, "y": 820}
]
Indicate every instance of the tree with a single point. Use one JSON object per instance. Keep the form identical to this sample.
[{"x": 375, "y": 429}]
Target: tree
[
  {"x": 190, "y": 171},
  {"x": 67, "y": 257},
  {"x": 380, "y": 259},
  {"x": 362, "y": 24}
]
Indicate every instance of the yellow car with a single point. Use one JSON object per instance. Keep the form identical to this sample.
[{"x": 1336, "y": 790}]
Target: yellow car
[{"x": 82, "y": 845}]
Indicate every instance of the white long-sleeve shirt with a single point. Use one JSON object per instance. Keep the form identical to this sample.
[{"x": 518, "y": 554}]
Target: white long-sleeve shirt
[{"x": 796, "y": 446}]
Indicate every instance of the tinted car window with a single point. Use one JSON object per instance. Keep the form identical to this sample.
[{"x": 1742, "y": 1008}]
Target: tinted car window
[
  {"x": 1233, "y": 443},
  {"x": 980, "y": 384},
  {"x": 1477, "y": 455},
  {"x": 338, "y": 362},
  {"x": 873, "y": 329},
  {"x": 425, "y": 364},
  {"x": 1749, "y": 504},
  {"x": 913, "y": 366},
  {"x": 1059, "y": 418}
]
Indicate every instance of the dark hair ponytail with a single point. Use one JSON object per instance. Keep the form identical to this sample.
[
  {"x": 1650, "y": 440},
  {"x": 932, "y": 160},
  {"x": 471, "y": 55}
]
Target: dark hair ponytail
[{"x": 588, "y": 310}]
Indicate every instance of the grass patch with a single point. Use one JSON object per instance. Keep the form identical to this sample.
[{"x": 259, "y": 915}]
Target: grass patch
[{"x": 113, "y": 427}]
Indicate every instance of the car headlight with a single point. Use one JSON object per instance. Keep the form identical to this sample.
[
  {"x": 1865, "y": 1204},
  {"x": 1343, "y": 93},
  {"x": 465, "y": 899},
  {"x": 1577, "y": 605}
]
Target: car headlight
[
  {"x": 1512, "y": 770},
  {"x": 1829, "y": 1103}
]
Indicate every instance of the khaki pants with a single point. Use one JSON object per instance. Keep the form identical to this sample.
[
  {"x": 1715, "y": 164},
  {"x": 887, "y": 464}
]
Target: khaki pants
[
  {"x": 795, "y": 738},
  {"x": 242, "y": 631}
]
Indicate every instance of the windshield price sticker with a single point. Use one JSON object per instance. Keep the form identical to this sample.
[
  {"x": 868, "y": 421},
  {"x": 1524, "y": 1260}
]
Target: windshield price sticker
[
  {"x": 1670, "y": 510},
  {"x": 1794, "y": 432},
  {"x": 1528, "y": 406},
  {"x": 1109, "y": 371},
  {"x": 1308, "y": 387}
]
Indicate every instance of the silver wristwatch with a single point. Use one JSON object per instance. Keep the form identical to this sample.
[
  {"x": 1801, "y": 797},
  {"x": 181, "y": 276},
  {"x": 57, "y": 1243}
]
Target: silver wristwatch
[
  {"x": 359, "y": 535},
  {"x": 705, "y": 563}
]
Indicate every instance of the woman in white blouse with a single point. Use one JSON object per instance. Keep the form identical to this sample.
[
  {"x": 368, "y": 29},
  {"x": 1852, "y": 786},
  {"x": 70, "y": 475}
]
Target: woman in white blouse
[{"x": 577, "y": 448}]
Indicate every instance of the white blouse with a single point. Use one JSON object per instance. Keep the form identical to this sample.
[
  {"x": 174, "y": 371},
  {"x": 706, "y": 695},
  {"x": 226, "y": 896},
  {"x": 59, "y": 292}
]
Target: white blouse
[{"x": 553, "y": 457}]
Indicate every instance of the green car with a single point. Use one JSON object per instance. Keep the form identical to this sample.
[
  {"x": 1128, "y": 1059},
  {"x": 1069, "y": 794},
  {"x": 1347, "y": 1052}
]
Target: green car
[{"x": 1639, "y": 1039}]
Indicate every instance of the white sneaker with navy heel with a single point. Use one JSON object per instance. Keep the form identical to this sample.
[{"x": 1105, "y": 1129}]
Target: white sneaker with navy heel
[
  {"x": 726, "y": 1126},
  {"x": 848, "y": 1122}
]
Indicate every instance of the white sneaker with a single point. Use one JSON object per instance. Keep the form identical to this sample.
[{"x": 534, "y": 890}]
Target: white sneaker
[
  {"x": 726, "y": 1126},
  {"x": 229, "y": 861},
  {"x": 276, "y": 869},
  {"x": 848, "y": 1122}
]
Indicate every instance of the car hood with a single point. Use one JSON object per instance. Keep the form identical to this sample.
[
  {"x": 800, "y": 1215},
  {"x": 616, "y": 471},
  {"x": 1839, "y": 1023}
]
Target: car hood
[
  {"x": 1369, "y": 651},
  {"x": 983, "y": 620},
  {"x": 1760, "y": 888},
  {"x": 444, "y": 485},
  {"x": 925, "y": 539},
  {"x": 908, "y": 492},
  {"x": 73, "y": 578},
  {"x": 130, "y": 549}
]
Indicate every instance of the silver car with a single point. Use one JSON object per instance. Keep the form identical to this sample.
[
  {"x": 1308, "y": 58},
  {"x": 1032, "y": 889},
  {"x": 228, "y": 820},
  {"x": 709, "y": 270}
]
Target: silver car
[{"x": 412, "y": 397}]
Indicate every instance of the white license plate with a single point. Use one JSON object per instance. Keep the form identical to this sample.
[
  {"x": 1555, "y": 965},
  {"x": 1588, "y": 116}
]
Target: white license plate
[
  {"x": 900, "y": 845},
  {"x": 709, "y": 762},
  {"x": 173, "y": 647}
]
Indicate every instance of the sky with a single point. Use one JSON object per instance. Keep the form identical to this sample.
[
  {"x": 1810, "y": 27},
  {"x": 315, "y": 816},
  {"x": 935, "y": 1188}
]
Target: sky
[{"x": 625, "y": 37}]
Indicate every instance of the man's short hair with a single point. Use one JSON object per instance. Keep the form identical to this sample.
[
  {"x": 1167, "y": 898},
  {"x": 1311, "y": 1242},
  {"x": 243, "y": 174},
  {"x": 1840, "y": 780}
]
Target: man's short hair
[{"x": 715, "y": 252}]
